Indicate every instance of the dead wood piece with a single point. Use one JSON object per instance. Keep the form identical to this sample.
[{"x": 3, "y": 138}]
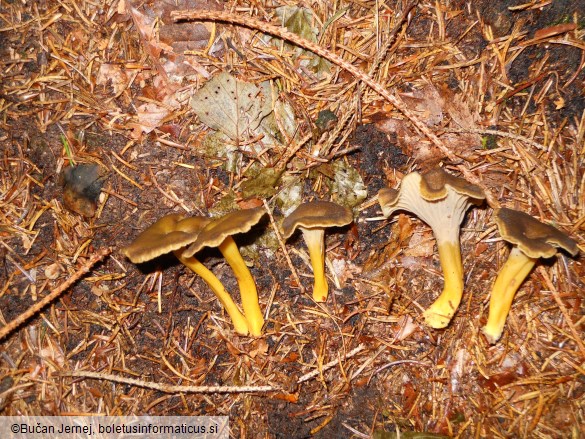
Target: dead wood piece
[{"x": 98, "y": 256}]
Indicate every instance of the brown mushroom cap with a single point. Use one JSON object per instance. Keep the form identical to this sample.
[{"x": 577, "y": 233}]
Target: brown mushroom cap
[
  {"x": 169, "y": 233},
  {"x": 432, "y": 186},
  {"x": 434, "y": 183},
  {"x": 533, "y": 238},
  {"x": 217, "y": 230},
  {"x": 316, "y": 214}
]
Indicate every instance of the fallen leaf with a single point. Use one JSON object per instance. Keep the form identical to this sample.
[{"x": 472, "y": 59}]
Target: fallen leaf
[
  {"x": 427, "y": 103},
  {"x": 347, "y": 188},
  {"x": 114, "y": 75},
  {"x": 53, "y": 271},
  {"x": 232, "y": 106},
  {"x": 406, "y": 328},
  {"x": 300, "y": 21},
  {"x": 421, "y": 245},
  {"x": 260, "y": 348},
  {"x": 290, "y": 194},
  {"x": 150, "y": 116},
  {"x": 166, "y": 41}
]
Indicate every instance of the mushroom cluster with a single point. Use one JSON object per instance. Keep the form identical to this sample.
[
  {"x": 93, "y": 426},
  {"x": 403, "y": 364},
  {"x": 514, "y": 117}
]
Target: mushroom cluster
[
  {"x": 441, "y": 200},
  {"x": 438, "y": 198},
  {"x": 173, "y": 233},
  {"x": 185, "y": 237},
  {"x": 219, "y": 234}
]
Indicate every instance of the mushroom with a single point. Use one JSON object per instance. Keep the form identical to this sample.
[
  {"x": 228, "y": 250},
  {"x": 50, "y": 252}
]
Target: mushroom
[
  {"x": 312, "y": 219},
  {"x": 218, "y": 233},
  {"x": 440, "y": 200},
  {"x": 172, "y": 233},
  {"x": 531, "y": 240}
]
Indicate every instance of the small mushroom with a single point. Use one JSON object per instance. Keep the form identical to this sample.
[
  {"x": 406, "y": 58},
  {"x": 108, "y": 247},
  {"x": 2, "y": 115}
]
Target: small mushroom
[
  {"x": 531, "y": 240},
  {"x": 440, "y": 200},
  {"x": 313, "y": 218},
  {"x": 218, "y": 233},
  {"x": 172, "y": 233}
]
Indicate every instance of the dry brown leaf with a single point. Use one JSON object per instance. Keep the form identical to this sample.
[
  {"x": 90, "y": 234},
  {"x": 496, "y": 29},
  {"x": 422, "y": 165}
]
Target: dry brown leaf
[
  {"x": 166, "y": 41},
  {"x": 406, "y": 327},
  {"x": 260, "y": 348},
  {"x": 113, "y": 75},
  {"x": 421, "y": 245},
  {"x": 427, "y": 103},
  {"x": 150, "y": 116},
  {"x": 457, "y": 107}
]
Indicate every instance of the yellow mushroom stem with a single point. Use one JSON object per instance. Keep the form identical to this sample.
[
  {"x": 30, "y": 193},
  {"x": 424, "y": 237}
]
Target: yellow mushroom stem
[
  {"x": 238, "y": 319},
  {"x": 248, "y": 292},
  {"x": 439, "y": 314},
  {"x": 315, "y": 240},
  {"x": 511, "y": 276}
]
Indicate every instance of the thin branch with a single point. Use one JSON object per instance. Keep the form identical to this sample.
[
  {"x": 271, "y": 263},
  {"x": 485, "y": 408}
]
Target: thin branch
[
  {"x": 167, "y": 388},
  {"x": 102, "y": 253}
]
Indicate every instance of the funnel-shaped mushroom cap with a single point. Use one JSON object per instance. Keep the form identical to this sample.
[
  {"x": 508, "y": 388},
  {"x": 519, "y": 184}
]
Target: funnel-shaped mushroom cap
[
  {"x": 316, "y": 215},
  {"x": 217, "y": 230},
  {"x": 533, "y": 238},
  {"x": 440, "y": 200},
  {"x": 168, "y": 234},
  {"x": 313, "y": 218},
  {"x": 432, "y": 197}
]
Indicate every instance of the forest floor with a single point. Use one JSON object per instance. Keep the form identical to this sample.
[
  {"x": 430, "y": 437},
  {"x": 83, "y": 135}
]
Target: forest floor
[{"x": 491, "y": 90}]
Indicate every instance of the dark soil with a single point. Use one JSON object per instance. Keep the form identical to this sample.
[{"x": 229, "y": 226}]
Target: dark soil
[{"x": 129, "y": 303}]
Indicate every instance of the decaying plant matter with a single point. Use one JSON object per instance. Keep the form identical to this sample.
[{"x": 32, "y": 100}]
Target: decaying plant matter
[{"x": 489, "y": 92}]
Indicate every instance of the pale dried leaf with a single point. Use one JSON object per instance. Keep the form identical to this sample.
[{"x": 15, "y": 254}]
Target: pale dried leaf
[
  {"x": 427, "y": 103},
  {"x": 114, "y": 75},
  {"x": 234, "y": 107},
  {"x": 421, "y": 245},
  {"x": 300, "y": 21},
  {"x": 406, "y": 328},
  {"x": 348, "y": 188},
  {"x": 150, "y": 116}
]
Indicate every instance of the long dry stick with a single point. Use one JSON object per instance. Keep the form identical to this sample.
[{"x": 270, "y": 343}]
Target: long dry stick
[
  {"x": 167, "y": 388},
  {"x": 264, "y": 27},
  {"x": 4, "y": 331}
]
